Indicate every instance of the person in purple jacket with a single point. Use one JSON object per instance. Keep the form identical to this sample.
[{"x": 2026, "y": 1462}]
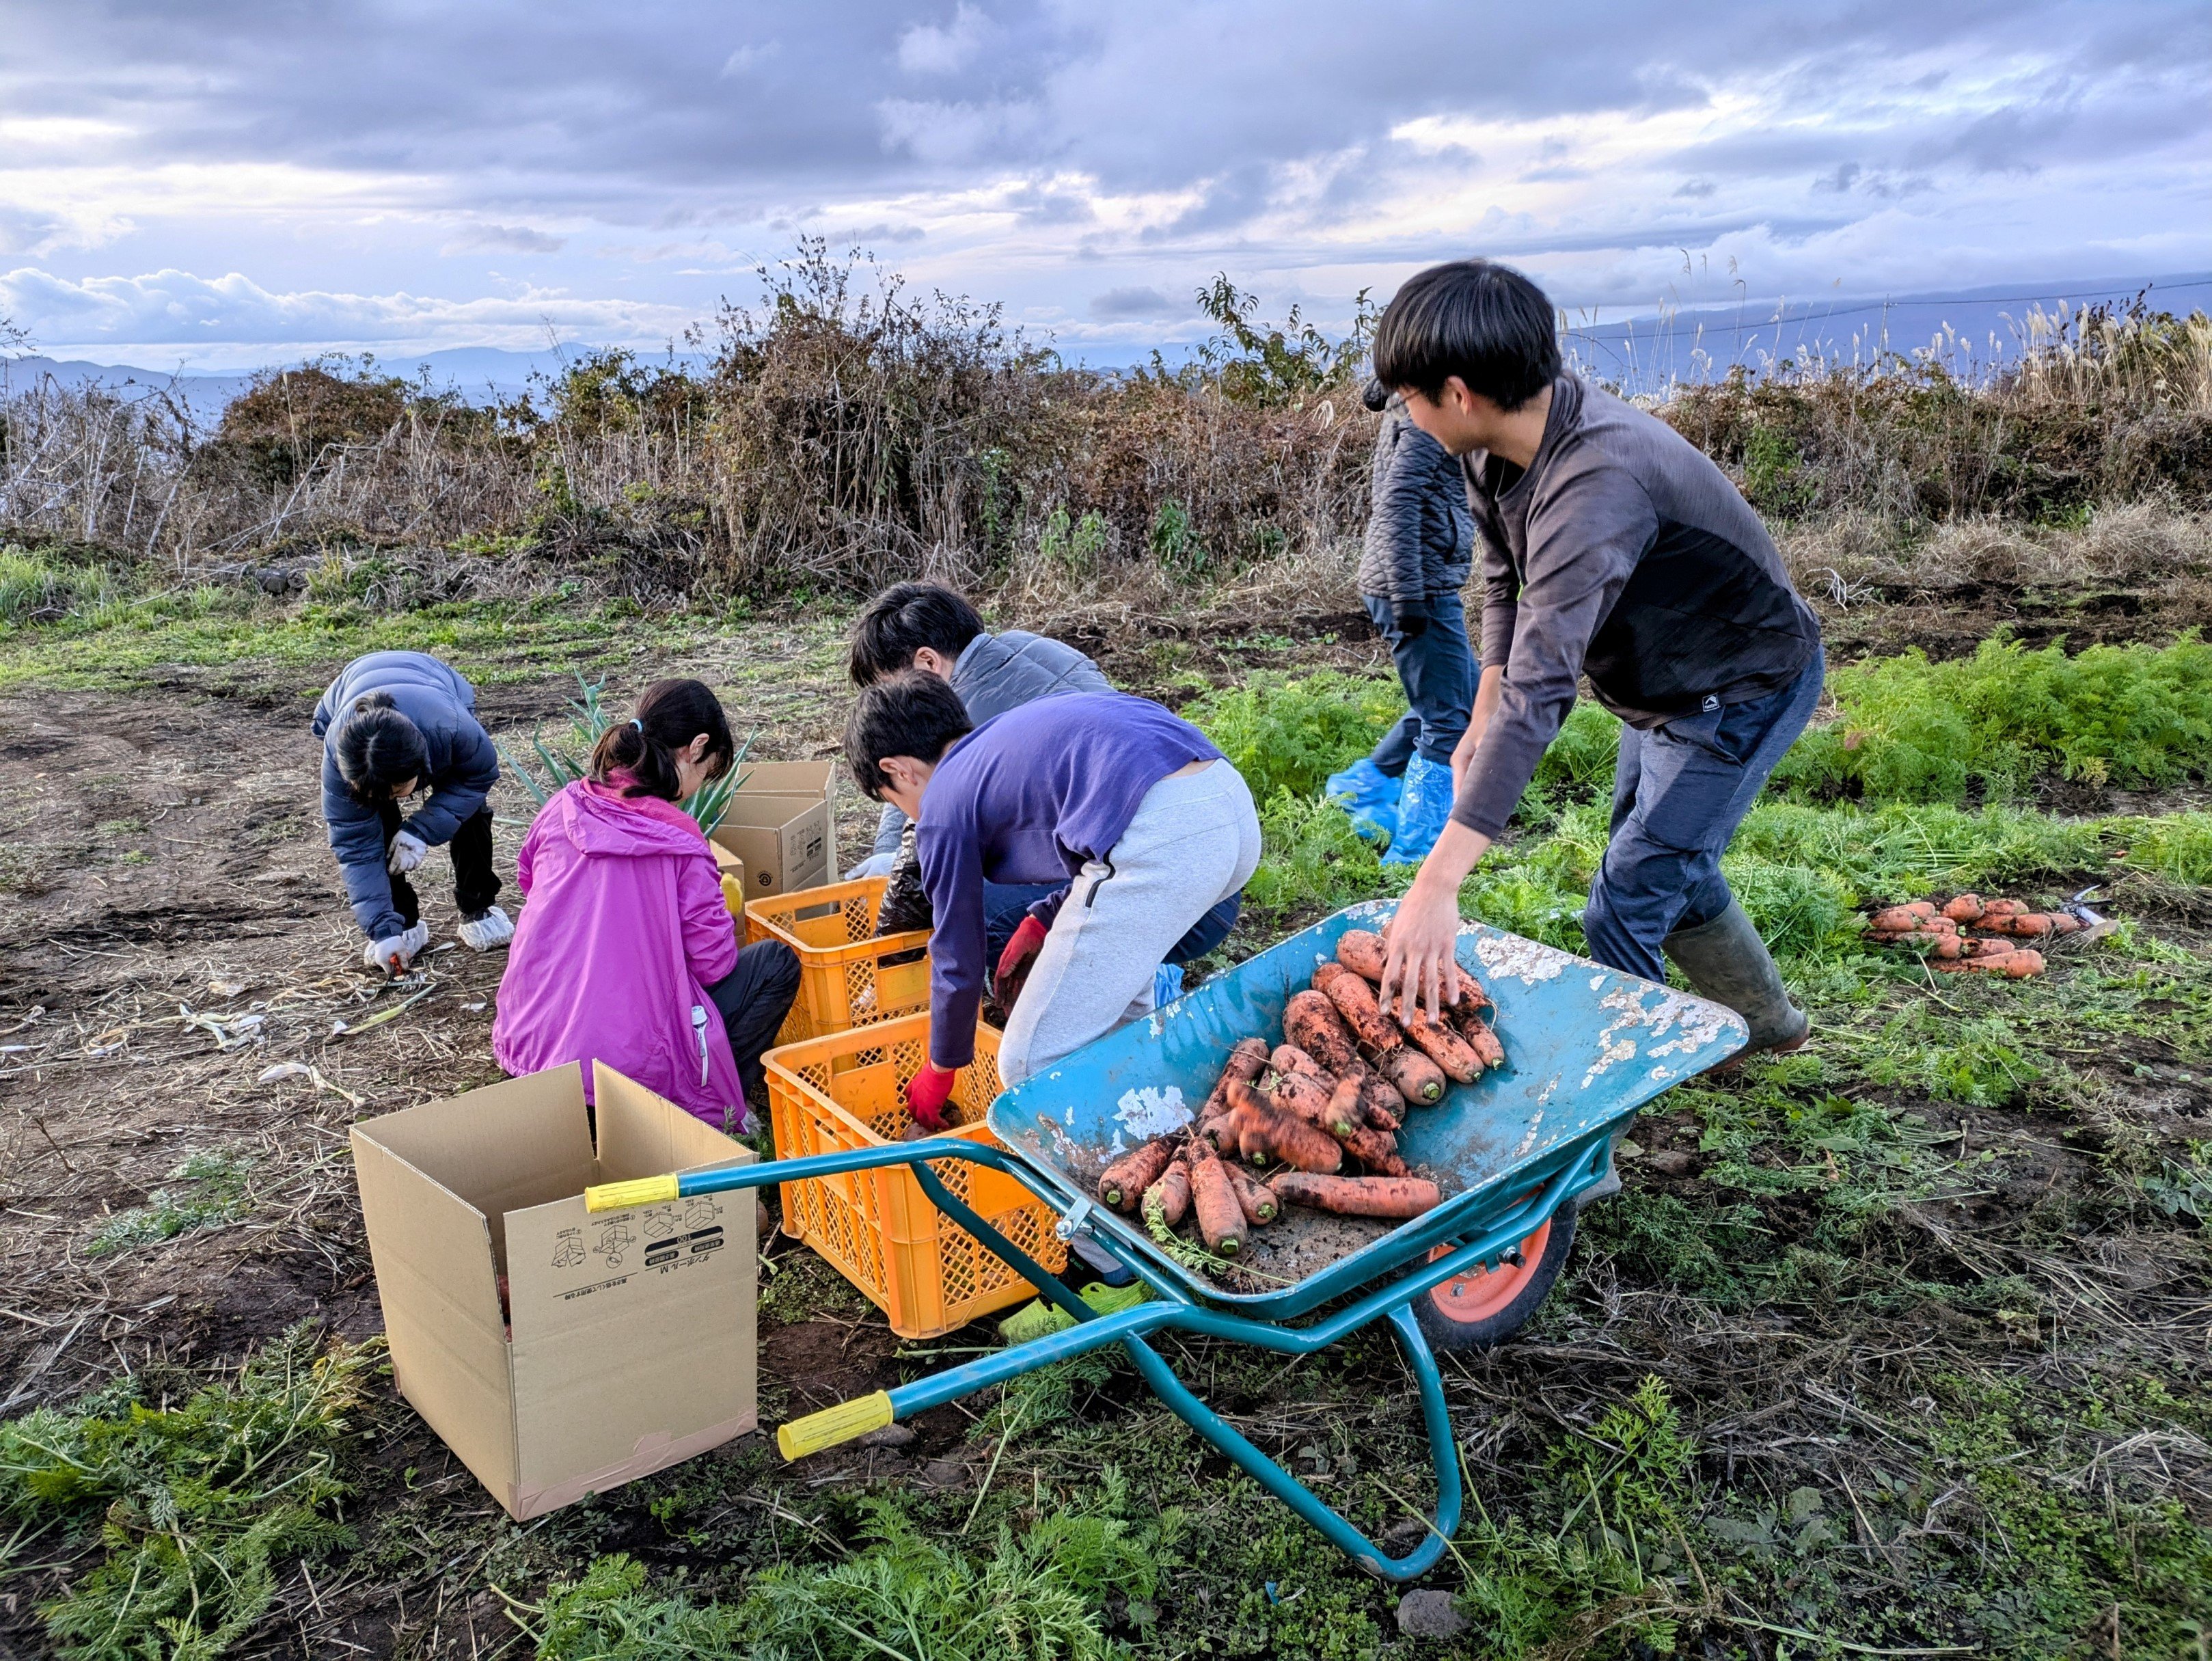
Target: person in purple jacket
[
  {"x": 626, "y": 952},
  {"x": 1129, "y": 805}
]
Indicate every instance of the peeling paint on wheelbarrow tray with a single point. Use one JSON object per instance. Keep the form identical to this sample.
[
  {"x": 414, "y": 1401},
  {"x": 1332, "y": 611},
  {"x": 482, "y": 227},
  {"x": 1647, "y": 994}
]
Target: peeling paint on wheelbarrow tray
[{"x": 1585, "y": 1046}]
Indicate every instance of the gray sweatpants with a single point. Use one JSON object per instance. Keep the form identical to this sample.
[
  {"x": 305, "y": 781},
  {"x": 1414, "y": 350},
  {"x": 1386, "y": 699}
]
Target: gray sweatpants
[{"x": 1194, "y": 842}]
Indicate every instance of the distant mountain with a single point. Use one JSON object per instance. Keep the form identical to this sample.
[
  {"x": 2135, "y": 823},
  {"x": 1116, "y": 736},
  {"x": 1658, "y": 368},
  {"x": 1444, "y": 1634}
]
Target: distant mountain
[
  {"x": 1972, "y": 330},
  {"x": 1640, "y": 352}
]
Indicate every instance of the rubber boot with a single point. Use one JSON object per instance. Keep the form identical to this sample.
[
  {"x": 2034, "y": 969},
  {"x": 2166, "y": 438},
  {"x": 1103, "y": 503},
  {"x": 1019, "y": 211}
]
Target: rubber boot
[
  {"x": 1424, "y": 803},
  {"x": 1369, "y": 796},
  {"x": 1726, "y": 961}
]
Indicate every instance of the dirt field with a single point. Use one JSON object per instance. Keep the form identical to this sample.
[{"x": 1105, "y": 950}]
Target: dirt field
[{"x": 167, "y": 884}]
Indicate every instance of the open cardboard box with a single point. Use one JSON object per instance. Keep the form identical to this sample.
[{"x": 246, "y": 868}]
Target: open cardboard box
[
  {"x": 632, "y": 1345},
  {"x": 781, "y": 823}
]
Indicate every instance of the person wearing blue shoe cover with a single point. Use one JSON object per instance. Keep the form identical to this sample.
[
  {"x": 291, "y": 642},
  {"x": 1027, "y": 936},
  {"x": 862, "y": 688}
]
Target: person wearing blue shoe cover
[
  {"x": 1412, "y": 564},
  {"x": 1615, "y": 549}
]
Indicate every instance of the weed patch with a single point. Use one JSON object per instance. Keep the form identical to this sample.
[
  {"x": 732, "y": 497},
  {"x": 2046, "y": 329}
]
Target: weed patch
[
  {"x": 1910, "y": 730},
  {"x": 210, "y": 1192},
  {"x": 191, "y": 1506}
]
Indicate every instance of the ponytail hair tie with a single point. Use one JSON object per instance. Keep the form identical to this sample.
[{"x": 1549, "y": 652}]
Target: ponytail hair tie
[{"x": 636, "y": 722}]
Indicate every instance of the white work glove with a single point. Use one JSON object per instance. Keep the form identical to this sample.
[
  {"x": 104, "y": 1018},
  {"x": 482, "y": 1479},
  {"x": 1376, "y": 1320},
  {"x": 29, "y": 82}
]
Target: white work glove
[
  {"x": 395, "y": 954},
  {"x": 408, "y": 851}
]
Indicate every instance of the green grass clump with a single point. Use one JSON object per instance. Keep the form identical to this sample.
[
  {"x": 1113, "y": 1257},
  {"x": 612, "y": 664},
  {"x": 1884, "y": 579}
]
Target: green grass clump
[
  {"x": 1038, "y": 1593},
  {"x": 1290, "y": 733},
  {"x": 212, "y": 1193},
  {"x": 1911, "y": 730},
  {"x": 191, "y": 1506},
  {"x": 2176, "y": 845},
  {"x": 33, "y": 588},
  {"x": 1311, "y": 859}
]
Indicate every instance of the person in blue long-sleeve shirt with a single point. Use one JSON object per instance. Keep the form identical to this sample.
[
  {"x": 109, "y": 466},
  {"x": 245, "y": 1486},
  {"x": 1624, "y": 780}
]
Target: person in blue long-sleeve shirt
[
  {"x": 1129, "y": 805},
  {"x": 392, "y": 724}
]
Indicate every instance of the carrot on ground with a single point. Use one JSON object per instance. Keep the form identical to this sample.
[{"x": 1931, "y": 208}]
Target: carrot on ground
[
  {"x": 1258, "y": 1200},
  {"x": 2016, "y": 964},
  {"x": 1220, "y": 1217},
  {"x": 2004, "y": 909},
  {"x": 1123, "y": 1183},
  {"x": 1897, "y": 918},
  {"x": 1966, "y": 908},
  {"x": 1928, "y": 944},
  {"x": 2029, "y": 924},
  {"x": 1359, "y": 1197}
]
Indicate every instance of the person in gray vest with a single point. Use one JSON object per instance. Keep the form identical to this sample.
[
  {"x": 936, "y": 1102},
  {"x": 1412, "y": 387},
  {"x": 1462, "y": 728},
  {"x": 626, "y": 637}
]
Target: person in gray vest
[
  {"x": 392, "y": 724},
  {"x": 1612, "y": 548},
  {"x": 926, "y": 625}
]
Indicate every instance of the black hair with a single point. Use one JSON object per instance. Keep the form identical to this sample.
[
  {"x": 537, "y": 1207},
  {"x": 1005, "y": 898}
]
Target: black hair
[
  {"x": 376, "y": 748},
  {"x": 912, "y": 713},
  {"x": 669, "y": 715},
  {"x": 1483, "y": 322},
  {"x": 901, "y": 620}
]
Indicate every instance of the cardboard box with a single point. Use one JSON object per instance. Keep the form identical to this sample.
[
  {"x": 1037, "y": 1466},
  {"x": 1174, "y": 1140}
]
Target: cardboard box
[
  {"x": 782, "y": 824},
  {"x": 632, "y": 1345}
]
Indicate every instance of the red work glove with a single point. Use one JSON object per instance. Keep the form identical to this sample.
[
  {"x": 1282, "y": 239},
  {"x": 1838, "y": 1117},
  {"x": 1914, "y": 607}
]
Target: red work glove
[
  {"x": 1015, "y": 962},
  {"x": 926, "y": 1093}
]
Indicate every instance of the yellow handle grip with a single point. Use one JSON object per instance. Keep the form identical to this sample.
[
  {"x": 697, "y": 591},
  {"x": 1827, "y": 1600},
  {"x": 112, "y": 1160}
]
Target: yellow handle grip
[
  {"x": 621, "y": 1196},
  {"x": 825, "y": 1429}
]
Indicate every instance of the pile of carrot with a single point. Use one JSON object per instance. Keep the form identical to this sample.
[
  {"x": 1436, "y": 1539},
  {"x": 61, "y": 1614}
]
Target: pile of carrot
[
  {"x": 1942, "y": 936},
  {"x": 1312, "y": 1120}
]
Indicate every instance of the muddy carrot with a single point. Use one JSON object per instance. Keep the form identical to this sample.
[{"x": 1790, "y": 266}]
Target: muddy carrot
[
  {"x": 1359, "y": 1197},
  {"x": 1289, "y": 1058},
  {"x": 1257, "y": 1199},
  {"x": 1898, "y": 918},
  {"x": 1247, "y": 1061},
  {"x": 1966, "y": 908},
  {"x": 1378, "y": 1150},
  {"x": 1310, "y": 1022},
  {"x": 1928, "y": 944},
  {"x": 1168, "y": 1199},
  {"x": 1263, "y": 1130},
  {"x": 1380, "y": 1104},
  {"x": 1361, "y": 952},
  {"x": 1123, "y": 1183},
  {"x": 1481, "y": 1040},
  {"x": 2004, "y": 909},
  {"x": 2016, "y": 964},
  {"x": 1310, "y": 1099},
  {"x": 2065, "y": 922},
  {"x": 1417, "y": 1078},
  {"x": 1220, "y": 1217},
  {"x": 1445, "y": 1047},
  {"x": 2030, "y": 924}
]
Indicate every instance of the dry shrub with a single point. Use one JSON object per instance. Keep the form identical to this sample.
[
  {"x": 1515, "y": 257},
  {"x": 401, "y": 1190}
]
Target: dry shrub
[{"x": 847, "y": 432}]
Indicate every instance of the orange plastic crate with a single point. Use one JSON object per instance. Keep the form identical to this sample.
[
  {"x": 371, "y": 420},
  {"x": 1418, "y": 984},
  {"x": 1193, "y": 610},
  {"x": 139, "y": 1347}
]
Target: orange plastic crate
[
  {"x": 844, "y": 981},
  {"x": 926, "y": 1273}
]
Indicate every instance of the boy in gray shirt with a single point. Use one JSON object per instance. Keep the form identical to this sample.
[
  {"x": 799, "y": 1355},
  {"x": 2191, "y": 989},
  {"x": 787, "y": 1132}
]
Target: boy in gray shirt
[{"x": 1612, "y": 548}]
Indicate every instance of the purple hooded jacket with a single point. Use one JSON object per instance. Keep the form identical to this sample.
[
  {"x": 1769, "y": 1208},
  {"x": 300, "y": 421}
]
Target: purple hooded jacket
[{"x": 624, "y": 930}]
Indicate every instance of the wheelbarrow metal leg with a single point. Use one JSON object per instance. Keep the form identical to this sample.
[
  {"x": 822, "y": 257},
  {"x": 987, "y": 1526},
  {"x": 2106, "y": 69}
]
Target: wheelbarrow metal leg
[{"x": 1443, "y": 1453}]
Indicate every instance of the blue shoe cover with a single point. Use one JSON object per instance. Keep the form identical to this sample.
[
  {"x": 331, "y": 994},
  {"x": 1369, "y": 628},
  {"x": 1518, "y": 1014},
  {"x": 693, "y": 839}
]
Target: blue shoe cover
[
  {"x": 1425, "y": 805},
  {"x": 1369, "y": 795},
  {"x": 1167, "y": 983}
]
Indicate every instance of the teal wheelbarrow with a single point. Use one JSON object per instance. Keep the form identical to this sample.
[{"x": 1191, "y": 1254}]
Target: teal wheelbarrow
[{"x": 1512, "y": 1154}]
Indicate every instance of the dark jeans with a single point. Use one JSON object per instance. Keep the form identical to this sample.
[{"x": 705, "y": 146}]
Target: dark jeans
[
  {"x": 476, "y": 884},
  {"x": 1005, "y": 903},
  {"x": 754, "y": 998},
  {"x": 1437, "y": 669},
  {"x": 1679, "y": 792}
]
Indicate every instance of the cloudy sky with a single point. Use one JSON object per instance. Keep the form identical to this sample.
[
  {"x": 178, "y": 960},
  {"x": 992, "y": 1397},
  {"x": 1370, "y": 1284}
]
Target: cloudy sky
[{"x": 225, "y": 182}]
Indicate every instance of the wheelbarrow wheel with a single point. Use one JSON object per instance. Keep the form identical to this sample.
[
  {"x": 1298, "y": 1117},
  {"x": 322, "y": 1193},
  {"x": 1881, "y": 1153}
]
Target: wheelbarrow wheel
[{"x": 1484, "y": 1309}]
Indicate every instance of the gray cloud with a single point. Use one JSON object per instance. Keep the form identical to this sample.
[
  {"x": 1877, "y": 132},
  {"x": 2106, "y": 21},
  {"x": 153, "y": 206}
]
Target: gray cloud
[
  {"x": 985, "y": 139},
  {"x": 1134, "y": 304}
]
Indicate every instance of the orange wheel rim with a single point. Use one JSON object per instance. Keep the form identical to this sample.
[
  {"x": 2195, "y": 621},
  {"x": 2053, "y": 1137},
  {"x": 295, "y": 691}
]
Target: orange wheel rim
[{"x": 1477, "y": 1297}]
